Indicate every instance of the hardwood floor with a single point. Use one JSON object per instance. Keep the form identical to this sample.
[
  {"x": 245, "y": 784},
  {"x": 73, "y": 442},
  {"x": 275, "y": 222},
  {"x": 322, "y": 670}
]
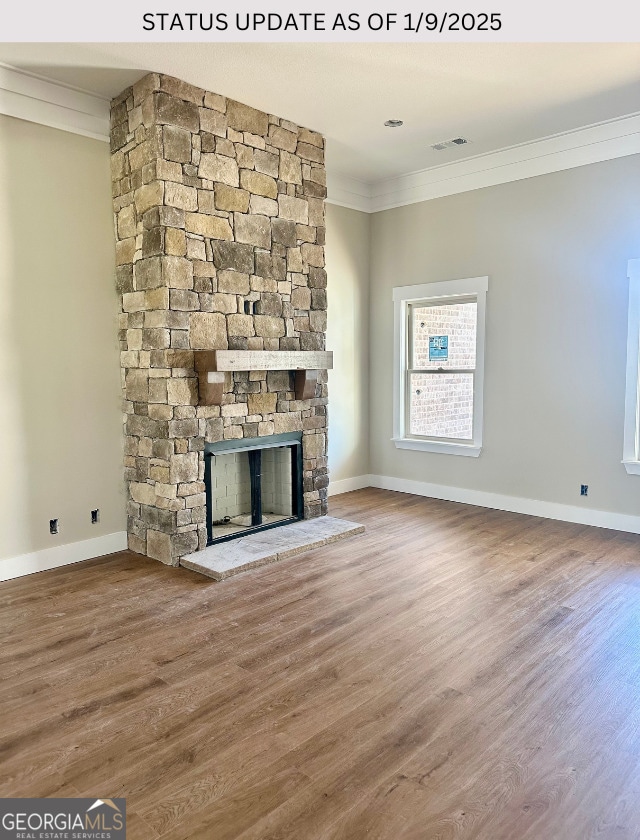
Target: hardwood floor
[{"x": 455, "y": 672}]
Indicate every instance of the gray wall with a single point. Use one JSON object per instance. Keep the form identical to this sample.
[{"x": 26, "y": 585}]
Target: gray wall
[
  {"x": 60, "y": 406},
  {"x": 555, "y": 248},
  {"x": 347, "y": 254}
]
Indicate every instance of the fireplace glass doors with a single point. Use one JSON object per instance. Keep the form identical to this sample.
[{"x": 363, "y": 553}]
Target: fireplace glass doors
[{"x": 252, "y": 484}]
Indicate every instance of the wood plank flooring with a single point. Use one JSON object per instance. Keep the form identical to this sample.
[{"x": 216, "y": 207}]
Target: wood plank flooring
[{"x": 454, "y": 672}]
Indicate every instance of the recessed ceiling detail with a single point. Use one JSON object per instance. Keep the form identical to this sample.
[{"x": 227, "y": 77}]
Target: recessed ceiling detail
[{"x": 449, "y": 144}]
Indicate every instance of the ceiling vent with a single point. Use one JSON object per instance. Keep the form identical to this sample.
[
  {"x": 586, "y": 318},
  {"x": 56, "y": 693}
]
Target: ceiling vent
[{"x": 449, "y": 144}]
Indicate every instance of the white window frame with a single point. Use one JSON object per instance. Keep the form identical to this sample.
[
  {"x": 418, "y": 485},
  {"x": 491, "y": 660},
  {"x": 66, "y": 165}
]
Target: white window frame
[
  {"x": 631, "y": 449},
  {"x": 431, "y": 293}
]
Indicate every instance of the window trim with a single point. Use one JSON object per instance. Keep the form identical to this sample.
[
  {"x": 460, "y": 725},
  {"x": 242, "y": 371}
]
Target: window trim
[
  {"x": 476, "y": 287},
  {"x": 631, "y": 448}
]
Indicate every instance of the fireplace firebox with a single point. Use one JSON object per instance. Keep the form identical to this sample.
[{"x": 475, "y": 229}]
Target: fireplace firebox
[{"x": 252, "y": 484}]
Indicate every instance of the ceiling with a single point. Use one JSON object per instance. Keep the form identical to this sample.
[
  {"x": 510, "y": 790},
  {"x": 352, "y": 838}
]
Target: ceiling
[{"x": 496, "y": 95}]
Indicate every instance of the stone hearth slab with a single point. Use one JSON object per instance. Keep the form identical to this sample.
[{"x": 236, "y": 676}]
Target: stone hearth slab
[{"x": 225, "y": 559}]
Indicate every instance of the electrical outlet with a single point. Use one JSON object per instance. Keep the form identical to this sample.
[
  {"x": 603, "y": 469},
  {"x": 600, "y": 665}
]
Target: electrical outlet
[
  {"x": 95, "y": 516},
  {"x": 584, "y": 489},
  {"x": 54, "y": 527}
]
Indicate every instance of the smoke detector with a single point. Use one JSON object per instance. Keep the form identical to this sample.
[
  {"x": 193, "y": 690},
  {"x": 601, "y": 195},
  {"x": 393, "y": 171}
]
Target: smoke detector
[{"x": 449, "y": 144}]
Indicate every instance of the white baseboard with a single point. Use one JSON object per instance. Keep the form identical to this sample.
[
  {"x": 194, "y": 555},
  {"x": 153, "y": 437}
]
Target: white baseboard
[
  {"x": 61, "y": 555},
  {"x": 64, "y": 555},
  {"x": 514, "y": 504},
  {"x": 346, "y": 485}
]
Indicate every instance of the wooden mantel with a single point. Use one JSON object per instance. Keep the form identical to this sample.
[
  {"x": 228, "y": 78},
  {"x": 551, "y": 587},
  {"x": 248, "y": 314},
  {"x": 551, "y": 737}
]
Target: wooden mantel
[{"x": 211, "y": 366}]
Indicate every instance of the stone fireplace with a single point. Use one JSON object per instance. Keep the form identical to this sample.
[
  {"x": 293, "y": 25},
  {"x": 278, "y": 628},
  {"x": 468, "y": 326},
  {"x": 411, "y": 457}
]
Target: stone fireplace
[{"x": 219, "y": 220}]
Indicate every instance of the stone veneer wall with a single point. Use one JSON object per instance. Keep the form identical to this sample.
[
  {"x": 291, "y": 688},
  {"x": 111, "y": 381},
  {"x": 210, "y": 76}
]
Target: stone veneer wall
[{"x": 219, "y": 209}]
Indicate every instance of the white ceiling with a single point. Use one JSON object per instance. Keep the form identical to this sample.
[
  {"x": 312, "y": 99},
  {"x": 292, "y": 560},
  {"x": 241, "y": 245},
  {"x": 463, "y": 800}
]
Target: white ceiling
[{"x": 496, "y": 95}]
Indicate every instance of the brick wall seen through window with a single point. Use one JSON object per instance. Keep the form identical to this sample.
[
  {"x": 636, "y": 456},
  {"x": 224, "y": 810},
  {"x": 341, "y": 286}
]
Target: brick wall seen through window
[{"x": 441, "y": 404}]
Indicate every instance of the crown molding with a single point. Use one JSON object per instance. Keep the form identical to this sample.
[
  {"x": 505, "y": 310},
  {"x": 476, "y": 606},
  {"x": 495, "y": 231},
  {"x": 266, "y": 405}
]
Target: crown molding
[
  {"x": 35, "y": 99},
  {"x": 591, "y": 144},
  {"x": 346, "y": 191}
]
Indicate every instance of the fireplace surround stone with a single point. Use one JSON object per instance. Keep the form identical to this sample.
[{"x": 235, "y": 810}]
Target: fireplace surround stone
[{"x": 219, "y": 223}]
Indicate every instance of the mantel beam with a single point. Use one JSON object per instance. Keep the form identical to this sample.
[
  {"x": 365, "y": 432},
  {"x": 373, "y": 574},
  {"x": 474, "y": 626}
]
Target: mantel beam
[
  {"x": 265, "y": 359},
  {"x": 211, "y": 366}
]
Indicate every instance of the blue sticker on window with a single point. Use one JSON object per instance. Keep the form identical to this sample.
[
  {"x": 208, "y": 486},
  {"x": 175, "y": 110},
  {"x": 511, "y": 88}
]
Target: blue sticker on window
[{"x": 438, "y": 348}]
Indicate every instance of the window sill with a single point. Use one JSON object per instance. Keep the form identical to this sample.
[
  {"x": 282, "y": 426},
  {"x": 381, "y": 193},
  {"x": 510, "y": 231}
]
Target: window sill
[
  {"x": 632, "y": 467},
  {"x": 470, "y": 449}
]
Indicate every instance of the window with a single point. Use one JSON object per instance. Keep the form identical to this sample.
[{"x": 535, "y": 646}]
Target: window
[
  {"x": 439, "y": 362},
  {"x": 631, "y": 452}
]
